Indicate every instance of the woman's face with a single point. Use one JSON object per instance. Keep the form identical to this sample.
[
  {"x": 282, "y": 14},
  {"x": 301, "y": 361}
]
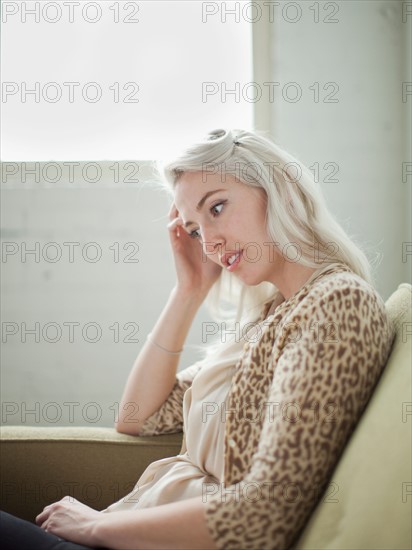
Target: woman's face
[{"x": 228, "y": 218}]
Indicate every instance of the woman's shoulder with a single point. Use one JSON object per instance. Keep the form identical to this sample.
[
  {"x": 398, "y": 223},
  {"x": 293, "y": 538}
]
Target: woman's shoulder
[
  {"x": 333, "y": 296},
  {"x": 343, "y": 297},
  {"x": 336, "y": 311},
  {"x": 333, "y": 291},
  {"x": 341, "y": 284}
]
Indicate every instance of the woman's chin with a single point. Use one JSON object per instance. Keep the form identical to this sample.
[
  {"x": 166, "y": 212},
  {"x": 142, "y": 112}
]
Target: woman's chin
[{"x": 249, "y": 279}]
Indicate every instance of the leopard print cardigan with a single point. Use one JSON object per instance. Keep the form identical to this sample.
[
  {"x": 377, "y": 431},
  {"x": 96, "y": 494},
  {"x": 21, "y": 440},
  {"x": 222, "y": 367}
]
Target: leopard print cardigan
[{"x": 297, "y": 394}]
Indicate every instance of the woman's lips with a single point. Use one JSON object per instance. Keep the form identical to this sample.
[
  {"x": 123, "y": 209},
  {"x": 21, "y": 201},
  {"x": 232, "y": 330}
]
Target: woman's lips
[{"x": 237, "y": 257}]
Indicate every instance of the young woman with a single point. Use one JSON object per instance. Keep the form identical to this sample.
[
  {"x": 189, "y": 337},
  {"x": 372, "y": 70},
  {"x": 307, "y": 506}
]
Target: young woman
[{"x": 269, "y": 409}]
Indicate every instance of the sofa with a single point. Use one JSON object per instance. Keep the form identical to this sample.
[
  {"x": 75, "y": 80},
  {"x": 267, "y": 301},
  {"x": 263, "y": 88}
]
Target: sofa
[{"x": 367, "y": 505}]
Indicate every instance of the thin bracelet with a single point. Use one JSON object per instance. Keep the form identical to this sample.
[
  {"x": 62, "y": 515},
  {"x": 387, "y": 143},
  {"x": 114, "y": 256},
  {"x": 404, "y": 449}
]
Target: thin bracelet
[{"x": 161, "y": 347}]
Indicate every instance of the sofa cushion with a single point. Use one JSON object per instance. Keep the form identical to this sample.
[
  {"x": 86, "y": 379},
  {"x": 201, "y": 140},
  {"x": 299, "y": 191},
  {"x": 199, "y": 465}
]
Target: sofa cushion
[{"x": 40, "y": 465}]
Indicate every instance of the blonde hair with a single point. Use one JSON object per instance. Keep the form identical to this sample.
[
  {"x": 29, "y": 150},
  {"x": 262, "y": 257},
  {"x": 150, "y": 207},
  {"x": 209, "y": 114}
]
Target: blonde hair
[{"x": 296, "y": 214}]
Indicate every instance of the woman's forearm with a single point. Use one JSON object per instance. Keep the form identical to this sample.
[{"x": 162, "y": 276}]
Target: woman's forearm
[
  {"x": 154, "y": 371},
  {"x": 169, "y": 526}
]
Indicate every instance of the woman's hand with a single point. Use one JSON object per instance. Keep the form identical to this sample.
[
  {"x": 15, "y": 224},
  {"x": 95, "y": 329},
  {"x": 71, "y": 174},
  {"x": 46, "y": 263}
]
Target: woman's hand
[
  {"x": 70, "y": 519},
  {"x": 195, "y": 271}
]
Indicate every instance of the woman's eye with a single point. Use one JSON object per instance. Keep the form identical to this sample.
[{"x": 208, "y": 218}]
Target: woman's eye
[
  {"x": 218, "y": 205},
  {"x": 215, "y": 211}
]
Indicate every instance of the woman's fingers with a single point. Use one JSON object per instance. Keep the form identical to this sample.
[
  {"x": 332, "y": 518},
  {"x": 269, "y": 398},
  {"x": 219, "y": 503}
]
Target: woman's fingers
[
  {"x": 173, "y": 212},
  {"x": 174, "y": 225},
  {"x": 176, "y": 220},
  {"x": 42, "y": 518}
]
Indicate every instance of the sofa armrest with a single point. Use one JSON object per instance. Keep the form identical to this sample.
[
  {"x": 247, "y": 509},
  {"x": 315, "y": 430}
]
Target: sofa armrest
[{"x": 97, "y": 466}]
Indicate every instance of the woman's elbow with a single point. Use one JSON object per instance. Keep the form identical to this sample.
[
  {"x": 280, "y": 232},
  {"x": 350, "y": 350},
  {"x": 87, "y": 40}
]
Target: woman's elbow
[{"x": 127, "y": 429}]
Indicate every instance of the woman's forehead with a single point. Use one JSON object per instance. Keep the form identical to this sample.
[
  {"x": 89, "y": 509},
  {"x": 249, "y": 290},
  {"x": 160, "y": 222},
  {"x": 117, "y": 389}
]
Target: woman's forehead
[
  {"x": 192, "y": 192},
  {"x": 193, "y": 189}
]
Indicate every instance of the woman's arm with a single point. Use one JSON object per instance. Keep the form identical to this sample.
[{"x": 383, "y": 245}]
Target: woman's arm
[
  {"x": 154, "y": 371},
  {"x": 326, "y": 361},
  {"x": 176, "y": 525}
]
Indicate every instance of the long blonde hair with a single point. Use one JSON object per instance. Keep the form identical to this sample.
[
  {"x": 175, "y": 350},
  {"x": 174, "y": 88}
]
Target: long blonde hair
[{"x": 296, "y": 213}]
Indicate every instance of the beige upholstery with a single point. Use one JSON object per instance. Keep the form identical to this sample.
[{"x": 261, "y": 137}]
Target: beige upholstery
[
  {"x": 367, "y": 505},
  {"x": 95, "y": 465}
]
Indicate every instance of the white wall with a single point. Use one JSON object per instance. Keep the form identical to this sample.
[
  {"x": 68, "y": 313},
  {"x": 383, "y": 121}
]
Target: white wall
[
  {"x": 366, "y": 133},
  {"x": 47, "y": 376}
]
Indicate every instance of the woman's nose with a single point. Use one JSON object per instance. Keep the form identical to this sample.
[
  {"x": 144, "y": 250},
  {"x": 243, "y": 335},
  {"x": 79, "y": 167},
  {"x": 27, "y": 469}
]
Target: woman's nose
[{"x": 211, "y": 241}]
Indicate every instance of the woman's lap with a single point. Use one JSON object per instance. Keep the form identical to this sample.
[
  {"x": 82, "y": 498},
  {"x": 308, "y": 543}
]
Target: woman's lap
[{"x": 18, "y": 534}]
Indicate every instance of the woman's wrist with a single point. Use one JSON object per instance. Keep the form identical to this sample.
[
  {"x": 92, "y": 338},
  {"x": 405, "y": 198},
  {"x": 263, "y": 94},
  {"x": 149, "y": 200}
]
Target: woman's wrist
[
  {"x": 195, "y": 297},
  {"x": 97, "y": 534},
  {"x": 170, "y": 352}
]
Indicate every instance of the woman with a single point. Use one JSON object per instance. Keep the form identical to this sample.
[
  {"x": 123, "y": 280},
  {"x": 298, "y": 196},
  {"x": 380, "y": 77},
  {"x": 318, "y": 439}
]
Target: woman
[{"x": 268, "y": 411}]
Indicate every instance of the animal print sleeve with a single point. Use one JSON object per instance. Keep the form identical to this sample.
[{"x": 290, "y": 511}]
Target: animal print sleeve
[
  {"x": 327, "y": 363},
  {"x": 169, "y": 417}
]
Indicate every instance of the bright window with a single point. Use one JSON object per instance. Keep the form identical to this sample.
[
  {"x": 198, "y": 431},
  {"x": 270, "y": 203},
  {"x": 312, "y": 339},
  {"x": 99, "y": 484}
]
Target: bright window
[{"x": 120, "y": 80}]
